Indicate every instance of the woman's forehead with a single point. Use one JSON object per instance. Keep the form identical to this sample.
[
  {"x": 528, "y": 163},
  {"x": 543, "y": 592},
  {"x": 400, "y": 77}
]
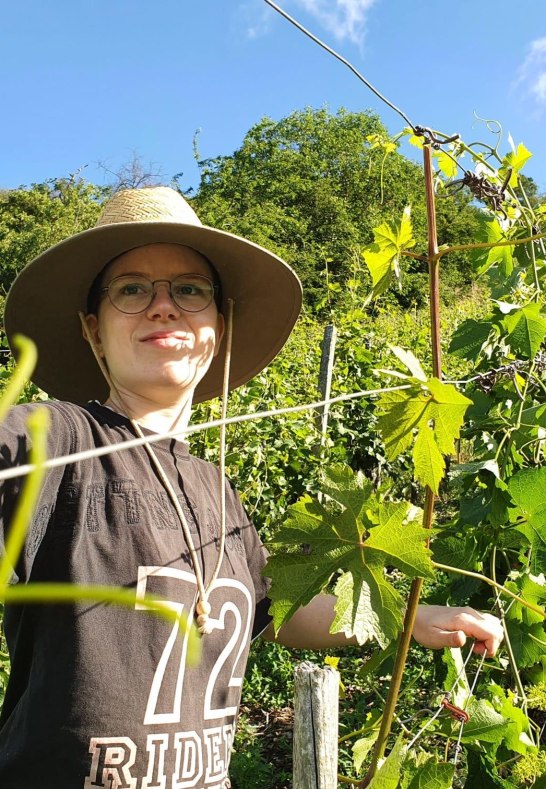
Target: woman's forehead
[{"x": 155, "y": 260}]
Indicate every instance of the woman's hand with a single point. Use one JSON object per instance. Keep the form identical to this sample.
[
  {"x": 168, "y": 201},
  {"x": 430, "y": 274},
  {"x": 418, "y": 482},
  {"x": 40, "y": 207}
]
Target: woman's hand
[{"x": 438, "y": 626}]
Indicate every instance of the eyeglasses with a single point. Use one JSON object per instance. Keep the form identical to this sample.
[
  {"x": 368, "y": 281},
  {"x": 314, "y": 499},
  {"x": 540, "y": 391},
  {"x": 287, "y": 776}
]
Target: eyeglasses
[{"x": 133, "y": 293}]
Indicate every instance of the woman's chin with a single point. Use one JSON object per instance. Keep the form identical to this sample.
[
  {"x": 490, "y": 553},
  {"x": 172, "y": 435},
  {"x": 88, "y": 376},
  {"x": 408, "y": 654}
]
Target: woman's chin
[{"x": 168, "y": 383}]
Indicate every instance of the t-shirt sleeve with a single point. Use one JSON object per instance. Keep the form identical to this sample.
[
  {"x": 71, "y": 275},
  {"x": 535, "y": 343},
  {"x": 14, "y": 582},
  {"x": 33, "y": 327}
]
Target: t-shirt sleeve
[
  {"x": 256, "y": 556},
  {"x": 15, "y": 444}
]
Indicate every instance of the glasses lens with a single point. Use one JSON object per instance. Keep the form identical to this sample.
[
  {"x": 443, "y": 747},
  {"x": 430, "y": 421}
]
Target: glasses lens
[
  {"x": 131, "y": 293},
  {"x": 192, "y": 292}
]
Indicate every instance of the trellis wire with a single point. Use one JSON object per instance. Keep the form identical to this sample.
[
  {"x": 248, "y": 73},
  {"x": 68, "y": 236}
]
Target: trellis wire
[
  {"x": 23, "y": 470},
  {"x": 441, "y": 708},
  {"x": 339, "y": 57},
  {"x": 470, "y": 694}
]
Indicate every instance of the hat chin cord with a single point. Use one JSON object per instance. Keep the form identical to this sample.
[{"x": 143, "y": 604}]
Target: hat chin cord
[{"x": 202, "y": 606}]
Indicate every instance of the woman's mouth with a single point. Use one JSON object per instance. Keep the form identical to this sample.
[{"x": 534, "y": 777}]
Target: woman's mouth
[{"x": 163, "y": 339}]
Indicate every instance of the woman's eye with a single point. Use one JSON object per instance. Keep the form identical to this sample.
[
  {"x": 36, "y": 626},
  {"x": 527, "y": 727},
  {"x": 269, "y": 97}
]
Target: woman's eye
[
  {"x": 188, "y": 290},
  {"x": 132, "y": 289}
]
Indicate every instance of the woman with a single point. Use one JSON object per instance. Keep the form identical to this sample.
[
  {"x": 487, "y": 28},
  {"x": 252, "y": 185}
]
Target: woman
[{"x": 102, "y": 696}]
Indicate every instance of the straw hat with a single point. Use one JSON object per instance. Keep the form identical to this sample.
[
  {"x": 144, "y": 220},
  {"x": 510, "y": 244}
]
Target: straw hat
[{"x": 44, "y": 300}]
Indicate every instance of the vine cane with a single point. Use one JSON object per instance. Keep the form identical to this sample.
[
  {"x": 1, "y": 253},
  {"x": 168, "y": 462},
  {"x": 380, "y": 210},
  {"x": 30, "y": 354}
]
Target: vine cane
[{"x": 417, "y": 583}]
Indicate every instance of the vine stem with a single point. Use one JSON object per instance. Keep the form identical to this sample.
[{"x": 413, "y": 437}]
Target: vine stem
[
  {"x": 507, "y": 641},
  {"x": 417, "y": 583},
  {"x": 448, "y": 569},
  {"x": 513, "y": 242},
  {"x": 64, "y": 460}
]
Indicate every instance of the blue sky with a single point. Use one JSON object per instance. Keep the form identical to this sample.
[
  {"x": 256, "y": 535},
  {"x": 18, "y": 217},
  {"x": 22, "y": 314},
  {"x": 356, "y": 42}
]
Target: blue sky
[{"x": 90, "y": 81}]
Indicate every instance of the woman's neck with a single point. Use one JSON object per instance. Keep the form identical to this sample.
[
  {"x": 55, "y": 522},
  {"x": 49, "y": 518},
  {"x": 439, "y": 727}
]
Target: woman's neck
[{"x": 160, "y": 418}]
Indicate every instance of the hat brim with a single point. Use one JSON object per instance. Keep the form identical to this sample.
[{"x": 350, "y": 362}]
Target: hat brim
[{"x": 45, "y": 299}]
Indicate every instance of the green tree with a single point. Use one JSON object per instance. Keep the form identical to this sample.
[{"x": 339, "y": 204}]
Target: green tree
[
  {"x": 311, "y": 187},
  {"x": 34, "y": 218}
]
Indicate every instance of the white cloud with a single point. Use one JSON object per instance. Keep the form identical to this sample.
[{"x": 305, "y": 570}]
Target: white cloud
[
  {"x": 532, "y": 72},
  {"x": 345, "y": 19},
  {"x": 256, "y": 19},
  {"x": 539, "y": 88}
]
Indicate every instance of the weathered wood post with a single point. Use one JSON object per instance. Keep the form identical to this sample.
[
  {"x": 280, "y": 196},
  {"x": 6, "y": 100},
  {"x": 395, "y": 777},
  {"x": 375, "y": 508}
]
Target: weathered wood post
[
  {"x": 316, "y": 695},
  {"x": 325, "y": 377}
]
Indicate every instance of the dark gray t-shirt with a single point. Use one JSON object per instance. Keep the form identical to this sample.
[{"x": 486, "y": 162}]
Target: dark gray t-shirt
[{"x": 100, "y": 695}]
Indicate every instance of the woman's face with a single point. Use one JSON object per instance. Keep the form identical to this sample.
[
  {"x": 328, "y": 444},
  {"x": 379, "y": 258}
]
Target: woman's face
[{"x": 162, "y": 353}]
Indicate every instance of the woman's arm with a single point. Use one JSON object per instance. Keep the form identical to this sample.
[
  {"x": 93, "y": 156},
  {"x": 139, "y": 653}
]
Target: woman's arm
[{"x": 436, "y": 626}]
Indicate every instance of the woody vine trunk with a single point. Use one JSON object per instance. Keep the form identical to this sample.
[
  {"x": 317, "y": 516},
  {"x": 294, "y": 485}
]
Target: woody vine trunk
[{"x": 417, "y": 583}]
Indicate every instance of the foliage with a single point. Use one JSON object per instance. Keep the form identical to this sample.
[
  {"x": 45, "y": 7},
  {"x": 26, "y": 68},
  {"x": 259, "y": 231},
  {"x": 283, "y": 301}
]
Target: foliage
[
  {"x": 499, "y": 527},
  {"x": 312, "y": 186},
  {"x": 358, "y": 538},
  {"x": 33, "y": 219}
]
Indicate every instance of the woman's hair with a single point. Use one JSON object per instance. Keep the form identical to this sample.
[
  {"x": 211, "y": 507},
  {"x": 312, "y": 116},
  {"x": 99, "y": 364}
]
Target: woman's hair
[{"x": 94, "y": 295}]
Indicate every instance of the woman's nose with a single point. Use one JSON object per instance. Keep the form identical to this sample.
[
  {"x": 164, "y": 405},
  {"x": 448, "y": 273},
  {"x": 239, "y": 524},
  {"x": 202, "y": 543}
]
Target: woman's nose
[{"x": 162, "y": 300}]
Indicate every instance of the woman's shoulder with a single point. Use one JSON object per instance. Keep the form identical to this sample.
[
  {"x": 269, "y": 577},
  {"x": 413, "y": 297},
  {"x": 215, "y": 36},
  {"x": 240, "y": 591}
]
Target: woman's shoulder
[{"x": 71, "y": 426}]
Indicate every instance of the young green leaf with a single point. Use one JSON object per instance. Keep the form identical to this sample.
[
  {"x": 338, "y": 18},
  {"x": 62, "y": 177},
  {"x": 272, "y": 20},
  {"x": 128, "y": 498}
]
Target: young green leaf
[
  {"x": 429, "y": 462},
  {"x": 410, "y": 361},
  {"x": 485, "y": 724},
  {"x": 526, "y": 330},
  {"x": 429, "y": 417},
  {"x": 514, "y": 161},
  {"x": 516, "y": 737},
  {"x": 446, "y": 163},
  {"x": 433, "y": 775},
  {"x": 469, "y": 338},
  {"x": 528, "y": 490},
  {"x": 483, "y": 259},
  {"x": 528, "y": 642},
  {"x": 388, "y": 775},
  {"x": 382, "y": 256},
  {"x": 367, "y": 607},
  {"x": 482, "y": 771},
  {"x": 361, "y": 749}
]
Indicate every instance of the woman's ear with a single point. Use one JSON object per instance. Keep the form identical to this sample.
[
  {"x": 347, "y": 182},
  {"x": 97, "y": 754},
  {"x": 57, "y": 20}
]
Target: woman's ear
[
  {"x": 91, "y": 334},
  {"x": 220, "y": 329}
]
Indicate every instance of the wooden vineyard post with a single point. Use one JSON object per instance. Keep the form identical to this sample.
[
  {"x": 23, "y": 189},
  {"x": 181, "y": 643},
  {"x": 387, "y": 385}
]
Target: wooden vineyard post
[
  {"x": 316, "y": 696},
  {"x": 325, "y": 378}
]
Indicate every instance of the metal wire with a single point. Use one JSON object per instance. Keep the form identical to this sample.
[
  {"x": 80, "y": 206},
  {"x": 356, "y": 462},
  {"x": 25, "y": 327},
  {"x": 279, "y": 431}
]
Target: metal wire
[
  {"x": 448, "y": 694},
  {"x": 341, "y": 59}
]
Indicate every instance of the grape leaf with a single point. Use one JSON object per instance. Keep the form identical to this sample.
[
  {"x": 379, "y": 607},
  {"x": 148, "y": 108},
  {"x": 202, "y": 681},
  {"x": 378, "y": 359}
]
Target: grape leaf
[
  {"x": 514, "y": 161},
  {"x": 526, "y": 330},
  {"x": 482, "y": 772},
  {"x": 469, "y": 338},
  {"x": 446, "y": 163},
  {"x": 388, "y": 775},
  {"x": 528, "y": 642},
  {"x": 483, "y": 259},
  {"x": 361, "y": 749},
  {"x": 432, "y": 409},
  {"x": 528, "y": 490},
  {"x": 410, "y": 361},
  {"x": 429, "y": 462},
  {"x": 485, "y": 724},
  {"x": 359, "y": 541},
  {"x": 456, "y": 681},
  {"x": 531, "y": 591},
  {"x": 368, "y": 609},
  {"x": 382, "y": 256},
  {"x": 399, "y": 541},
  {"x": 433, "y": 775},
  {"x": 516, "y": 737}
]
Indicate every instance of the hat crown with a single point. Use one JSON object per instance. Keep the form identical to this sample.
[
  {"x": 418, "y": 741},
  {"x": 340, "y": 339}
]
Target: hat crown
[{"x": 150, "y": 204}]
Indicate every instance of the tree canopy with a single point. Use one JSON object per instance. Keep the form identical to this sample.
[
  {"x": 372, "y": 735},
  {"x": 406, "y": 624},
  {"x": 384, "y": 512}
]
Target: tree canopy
[{"x": 311, "y": 187}]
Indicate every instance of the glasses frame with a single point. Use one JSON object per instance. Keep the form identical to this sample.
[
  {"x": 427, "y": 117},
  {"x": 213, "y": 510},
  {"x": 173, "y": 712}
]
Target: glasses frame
[{"x": 214, "y": 288}]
